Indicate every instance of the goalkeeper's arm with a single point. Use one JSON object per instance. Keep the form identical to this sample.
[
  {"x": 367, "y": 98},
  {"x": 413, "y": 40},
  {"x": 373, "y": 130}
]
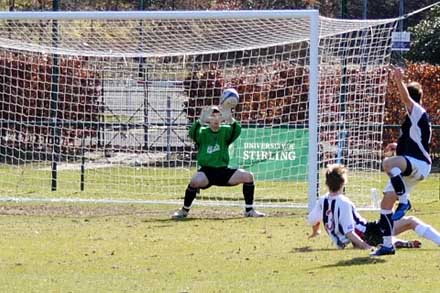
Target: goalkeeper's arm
[
  {"x": 194, "y": 130},
  {"x": 204, "y": 119}
]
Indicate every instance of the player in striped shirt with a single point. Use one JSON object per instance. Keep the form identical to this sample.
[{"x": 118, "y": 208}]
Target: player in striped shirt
[
  {"x": 410, "y": 165},
  {"x": 345, "y": 225},
  {"x": 336, "y": 211}
]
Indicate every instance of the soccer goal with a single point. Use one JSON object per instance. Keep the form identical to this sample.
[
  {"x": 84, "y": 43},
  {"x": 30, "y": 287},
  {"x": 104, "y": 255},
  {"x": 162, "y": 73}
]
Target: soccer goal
[{"x": 96, "y": 105}]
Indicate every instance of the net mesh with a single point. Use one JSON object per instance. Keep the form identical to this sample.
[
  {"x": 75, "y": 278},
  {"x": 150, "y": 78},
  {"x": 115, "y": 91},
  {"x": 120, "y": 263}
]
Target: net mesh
[{"x": 110, "y": 102}]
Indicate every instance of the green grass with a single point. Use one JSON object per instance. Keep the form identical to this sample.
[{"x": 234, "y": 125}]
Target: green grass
[
  {"x": 137, "y": 248},
  {"x": 169, "y": 184}
]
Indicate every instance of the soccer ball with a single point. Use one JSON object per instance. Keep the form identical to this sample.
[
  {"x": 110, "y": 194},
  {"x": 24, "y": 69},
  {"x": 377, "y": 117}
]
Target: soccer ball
[{"x": 229, "y": 99}]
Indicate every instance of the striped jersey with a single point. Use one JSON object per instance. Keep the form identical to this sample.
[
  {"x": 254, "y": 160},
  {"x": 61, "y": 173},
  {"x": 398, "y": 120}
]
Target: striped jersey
[
  {"x": 339, "y": 217},
  {"x": 415, "y": 136}
]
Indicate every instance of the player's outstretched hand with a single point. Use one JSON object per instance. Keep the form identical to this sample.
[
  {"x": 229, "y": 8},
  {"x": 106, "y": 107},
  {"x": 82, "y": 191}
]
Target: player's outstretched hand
[
  {"x": 205, "y": 115},
  {"x": 315, "y": 231},
  {"x": 397, "y": 73},
  {"x": 226, "y": 115}
]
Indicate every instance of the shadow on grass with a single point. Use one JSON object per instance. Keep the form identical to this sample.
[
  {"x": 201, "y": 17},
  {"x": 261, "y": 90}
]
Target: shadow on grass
[
  {"x": 357, "y": 261},
  {"x": 306, "y": 249}
]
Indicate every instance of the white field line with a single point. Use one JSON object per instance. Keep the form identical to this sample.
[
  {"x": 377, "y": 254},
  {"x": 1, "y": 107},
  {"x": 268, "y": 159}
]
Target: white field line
[
  {"x": 138, "y": 201},
  {"x": 146, "y": 202}
]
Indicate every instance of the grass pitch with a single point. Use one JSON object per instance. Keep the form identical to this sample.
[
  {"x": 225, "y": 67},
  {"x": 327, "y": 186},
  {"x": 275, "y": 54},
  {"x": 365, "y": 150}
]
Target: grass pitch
[{"x": 136, "y": 248}]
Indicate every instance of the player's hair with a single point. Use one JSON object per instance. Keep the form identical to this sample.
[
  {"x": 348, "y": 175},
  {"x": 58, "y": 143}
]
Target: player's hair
[
  {"x": 335, "y": 177},
  {"x": 415, "y": 91}
]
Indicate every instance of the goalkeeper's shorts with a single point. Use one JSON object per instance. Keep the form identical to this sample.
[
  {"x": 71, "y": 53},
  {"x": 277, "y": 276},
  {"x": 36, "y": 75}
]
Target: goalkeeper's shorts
[{"x": 217, "y": 176}]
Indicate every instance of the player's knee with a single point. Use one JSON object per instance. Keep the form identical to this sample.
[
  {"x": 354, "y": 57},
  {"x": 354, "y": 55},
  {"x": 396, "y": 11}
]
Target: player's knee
[
  {"x": 388, "y": 200},
  {"x": 197, "y": 183},
  {"x": 249, "y": 177},
  {"x": 411, "y": 222},
  {"x": 414, "y": 221},
  {"x": 387, "y": 165},
  {"x": 193, "y": 184}
]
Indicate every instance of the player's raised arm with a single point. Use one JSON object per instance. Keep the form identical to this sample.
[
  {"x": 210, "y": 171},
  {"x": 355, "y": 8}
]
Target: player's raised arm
[
  {"x": 195, "y": 127},
  {"x": 397, "y": 74},
  {"x": 206, "y": 115}
]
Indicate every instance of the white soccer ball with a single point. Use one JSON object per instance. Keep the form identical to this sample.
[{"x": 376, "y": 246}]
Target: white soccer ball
[{"x": 229, "y": 99}]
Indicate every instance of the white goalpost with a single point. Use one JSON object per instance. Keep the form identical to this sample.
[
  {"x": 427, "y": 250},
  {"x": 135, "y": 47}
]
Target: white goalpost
[{"x": 95, "y": 106}]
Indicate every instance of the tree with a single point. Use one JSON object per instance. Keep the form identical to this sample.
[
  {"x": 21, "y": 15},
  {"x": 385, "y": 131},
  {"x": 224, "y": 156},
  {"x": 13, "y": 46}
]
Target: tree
[{"x": 425, "y": 45}]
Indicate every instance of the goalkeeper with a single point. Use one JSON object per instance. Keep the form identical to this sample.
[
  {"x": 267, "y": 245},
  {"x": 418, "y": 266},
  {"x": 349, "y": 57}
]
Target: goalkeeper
[{"x": 213, "y": 139}]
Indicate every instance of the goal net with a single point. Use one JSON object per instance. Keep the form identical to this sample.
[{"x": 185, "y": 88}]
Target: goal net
[{"x": 97, "y": 105}]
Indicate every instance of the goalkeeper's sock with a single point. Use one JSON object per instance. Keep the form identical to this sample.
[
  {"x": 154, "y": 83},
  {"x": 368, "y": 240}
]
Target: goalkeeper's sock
[
  {"x": 386, "y": 225},
  {"x": 428, "y": 232},
  {"x": 190, "y": 195},
  {"x": 248, "y": 193}
]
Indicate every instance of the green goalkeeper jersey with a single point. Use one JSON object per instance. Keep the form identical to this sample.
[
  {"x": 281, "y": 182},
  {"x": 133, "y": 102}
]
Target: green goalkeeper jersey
[{"x": 213, "y": 147}]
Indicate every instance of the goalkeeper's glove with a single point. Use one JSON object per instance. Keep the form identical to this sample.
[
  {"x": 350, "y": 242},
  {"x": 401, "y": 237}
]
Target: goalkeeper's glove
[
  {"x": 227, "y": 115},
  {"x": 205, "y": 115}
]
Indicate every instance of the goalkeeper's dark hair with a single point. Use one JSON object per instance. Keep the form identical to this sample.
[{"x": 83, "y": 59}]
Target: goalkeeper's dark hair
[{"x": 335, "y": 177}]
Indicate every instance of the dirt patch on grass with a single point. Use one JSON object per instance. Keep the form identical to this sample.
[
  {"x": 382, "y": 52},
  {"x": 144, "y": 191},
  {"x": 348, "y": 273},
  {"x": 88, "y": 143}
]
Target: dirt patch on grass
[
  {"x": 146, "y": 211},
  {"x": 79, "y": 210}
]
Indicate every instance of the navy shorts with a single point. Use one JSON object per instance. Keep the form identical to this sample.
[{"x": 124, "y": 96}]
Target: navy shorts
[
  {"x": 217, "y": 176},
  {"x": 373, "y": 235}
]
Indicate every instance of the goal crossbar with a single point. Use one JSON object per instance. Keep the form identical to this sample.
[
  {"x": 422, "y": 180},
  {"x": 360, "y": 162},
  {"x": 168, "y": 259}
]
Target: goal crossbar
[{"x": 157, "y": 15}]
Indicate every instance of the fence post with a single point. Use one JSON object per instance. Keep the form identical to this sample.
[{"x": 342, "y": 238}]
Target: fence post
[{"x": 55, "y": 131}]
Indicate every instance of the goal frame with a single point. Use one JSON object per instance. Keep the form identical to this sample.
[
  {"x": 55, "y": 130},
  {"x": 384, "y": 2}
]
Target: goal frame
[{"x": 312, "y": 15}]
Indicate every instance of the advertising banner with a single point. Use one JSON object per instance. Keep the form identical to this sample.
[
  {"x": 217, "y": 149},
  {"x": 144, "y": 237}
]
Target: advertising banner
[{"x": 272, "y": 153}]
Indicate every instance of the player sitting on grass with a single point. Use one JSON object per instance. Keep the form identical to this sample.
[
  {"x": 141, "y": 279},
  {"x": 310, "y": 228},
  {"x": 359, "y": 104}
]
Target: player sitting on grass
[
  {"x": 345, "y": 225},
  {"x": 213, "y": 158},
  {"x": 410, "y": 165}
]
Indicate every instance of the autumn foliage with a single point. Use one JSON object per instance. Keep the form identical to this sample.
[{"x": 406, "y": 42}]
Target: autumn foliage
[
  {"x": 27, "y": 108},
  {"x": 278, "y": 94}
]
